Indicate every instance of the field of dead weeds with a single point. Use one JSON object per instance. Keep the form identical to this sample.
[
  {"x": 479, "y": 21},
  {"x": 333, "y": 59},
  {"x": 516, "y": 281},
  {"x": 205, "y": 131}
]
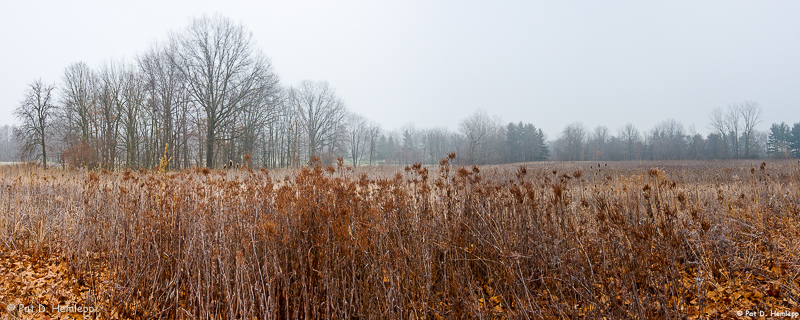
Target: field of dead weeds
[{"x": 545, "y": 240}]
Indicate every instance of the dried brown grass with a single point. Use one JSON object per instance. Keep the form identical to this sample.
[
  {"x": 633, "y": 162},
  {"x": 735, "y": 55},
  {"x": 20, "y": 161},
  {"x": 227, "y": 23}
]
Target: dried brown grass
[{"x": 665, "y": 240}]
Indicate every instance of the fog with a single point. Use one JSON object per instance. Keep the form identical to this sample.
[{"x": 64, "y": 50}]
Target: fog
[{"x": 432, "y": 64}]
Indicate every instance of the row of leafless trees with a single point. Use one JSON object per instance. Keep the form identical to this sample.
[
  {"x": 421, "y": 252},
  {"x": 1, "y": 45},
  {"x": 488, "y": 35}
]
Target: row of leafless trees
[
  {"x": 205, "y": 97},
  {"x": 733, "y": 136},
  {"x": 208, "y": 96}
]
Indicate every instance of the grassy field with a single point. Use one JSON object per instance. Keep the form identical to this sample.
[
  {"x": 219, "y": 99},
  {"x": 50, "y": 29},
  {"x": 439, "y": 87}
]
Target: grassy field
[{"x": 668, "y": 240}]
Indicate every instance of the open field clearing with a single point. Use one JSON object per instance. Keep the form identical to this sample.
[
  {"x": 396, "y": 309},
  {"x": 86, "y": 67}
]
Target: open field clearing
[{"x": 576, "y": 240}]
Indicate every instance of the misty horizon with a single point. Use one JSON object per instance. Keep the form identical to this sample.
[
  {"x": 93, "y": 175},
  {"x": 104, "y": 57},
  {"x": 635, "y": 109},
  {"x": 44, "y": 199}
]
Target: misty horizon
[{"x": 431, "y": 65}]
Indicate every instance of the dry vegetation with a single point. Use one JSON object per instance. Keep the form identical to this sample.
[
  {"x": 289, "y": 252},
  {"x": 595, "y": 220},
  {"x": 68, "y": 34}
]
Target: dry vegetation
[{"x": 575, "y": 240}]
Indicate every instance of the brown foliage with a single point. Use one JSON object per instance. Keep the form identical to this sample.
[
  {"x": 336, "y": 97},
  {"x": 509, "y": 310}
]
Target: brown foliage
[{"x": 621, "y": 241}]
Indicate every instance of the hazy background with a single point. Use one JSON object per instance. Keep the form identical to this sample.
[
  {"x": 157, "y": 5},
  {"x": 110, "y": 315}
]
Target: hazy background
[{"x": 435, "y": 62}]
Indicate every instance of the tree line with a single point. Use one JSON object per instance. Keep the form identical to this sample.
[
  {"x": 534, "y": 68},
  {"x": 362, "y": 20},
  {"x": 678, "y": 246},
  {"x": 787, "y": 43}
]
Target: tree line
[
  {"x": 733, "y": 136},
  {"x": 480, "y": 139},
  {"x": 209, "y": 97}
]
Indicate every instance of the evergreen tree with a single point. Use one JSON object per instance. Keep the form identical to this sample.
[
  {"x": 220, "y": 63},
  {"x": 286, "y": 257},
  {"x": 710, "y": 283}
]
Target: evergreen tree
[
  {"x": 779, "y": 137},
  {"x": 524, "y": 142},
  {"x": 794, "y": 141}
]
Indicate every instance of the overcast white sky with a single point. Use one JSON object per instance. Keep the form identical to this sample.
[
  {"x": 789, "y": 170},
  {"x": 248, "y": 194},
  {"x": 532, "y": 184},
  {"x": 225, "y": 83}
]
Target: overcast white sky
[{"x": 434, "y": 62}]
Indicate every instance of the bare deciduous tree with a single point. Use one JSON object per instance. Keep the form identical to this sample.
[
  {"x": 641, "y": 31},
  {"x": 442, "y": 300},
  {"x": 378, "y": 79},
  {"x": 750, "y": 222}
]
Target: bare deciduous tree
[
  {"x": 373, "y": 133},
  {"x": 77, "y": 98},
  {"x": 8, "y": 144},
  {"x": 751, "y": 114},
  {"x": 109, "y": 97},
  {"x": 437, "y": 144},
  {"x": 732, "y": 126},
  {"x": 631, "y": 138},
  {"x": 728, "y": 125},
  {"x": 667, "y": 140},
  {"x": 357, "y": 132},
  {"x": 571, "y": 144},
  {"x": 222, "y": 69},
  {"x": 35, "y": 114},
  {"x": 259, "y": 109},
  {"x": 134, "y": 95},
  {"x": 166, "y": 104},
  {"x": 477, "y": 129},
  {"x": 320, "y": 114},
  {"x": 598, "y": 141},
  {"x": 719, "y": 125}
]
